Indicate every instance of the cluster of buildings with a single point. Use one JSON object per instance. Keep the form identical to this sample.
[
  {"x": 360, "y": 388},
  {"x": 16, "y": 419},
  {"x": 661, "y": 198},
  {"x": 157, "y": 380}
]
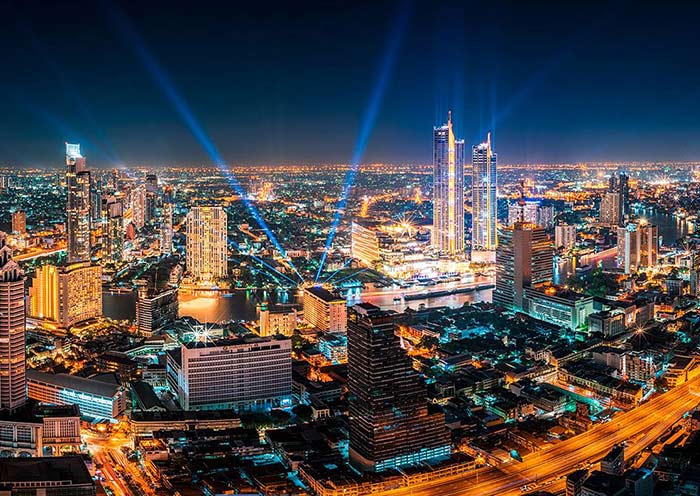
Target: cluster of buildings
[
  {"x": 353, "y": 399},
  {"x": 448, "y": 235}
]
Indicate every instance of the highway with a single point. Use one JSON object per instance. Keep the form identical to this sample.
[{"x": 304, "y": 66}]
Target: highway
[
  {"x": 38, "y": 252},
  {"x": 652, "y": 418}
]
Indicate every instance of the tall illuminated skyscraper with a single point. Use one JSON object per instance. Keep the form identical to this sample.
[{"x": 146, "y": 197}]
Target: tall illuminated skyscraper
[
  {"x": 78, "y": 206},
  {"x": 113, "y": 248},
  {"x": 12, "y": 330},
  {"x": 206, "y": 243},
  {"x": 524, "y": 258},
  {"x": 19, "y": 222},
  {"x": 448, "y": 190},
  {"x": 138, "y": 206},
  {"x": 390, "y": 422},
  {"x": 166, "y": 230},
  {"x": 484, "y": 206}
]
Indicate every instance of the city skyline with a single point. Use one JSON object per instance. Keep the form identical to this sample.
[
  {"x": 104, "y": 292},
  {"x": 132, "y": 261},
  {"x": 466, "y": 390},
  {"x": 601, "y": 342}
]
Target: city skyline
[
  {"x": 599, "y": 111},
  {"x": 380, "y": 324}
]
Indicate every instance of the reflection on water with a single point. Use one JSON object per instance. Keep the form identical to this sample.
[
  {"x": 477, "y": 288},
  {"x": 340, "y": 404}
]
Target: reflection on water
[
  {"x": 671, "y": 227},
  {"x": 211, "y": 306}
]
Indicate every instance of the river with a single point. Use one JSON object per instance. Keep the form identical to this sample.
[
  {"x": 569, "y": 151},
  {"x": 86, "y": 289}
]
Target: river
[
  {"x": 209, "y": 306},
  {"x": 671, "y": 227}
]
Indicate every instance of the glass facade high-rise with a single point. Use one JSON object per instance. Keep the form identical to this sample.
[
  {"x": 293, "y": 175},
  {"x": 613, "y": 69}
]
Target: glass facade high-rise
[
  {"x": 524, "y": 258},
  {"x": 448, "y": 190},
  {"x": 390, "y": 424},
  {"x": 166, "y": 230},
  {"x": 113, "y": 248},
  {"x": 78, "y": 206},
  {"x": 12, "y": 331},
  {"x": 484, "y": 203}
]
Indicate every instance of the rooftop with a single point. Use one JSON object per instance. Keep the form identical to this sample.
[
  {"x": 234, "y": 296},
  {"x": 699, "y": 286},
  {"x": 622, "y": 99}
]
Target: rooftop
[
  {"x": 54, "y": 469},
  {"x": 324, "y": 294},
  {"x": 74, "y": 382}
]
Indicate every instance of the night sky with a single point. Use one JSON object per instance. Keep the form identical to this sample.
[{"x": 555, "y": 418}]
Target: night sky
[{"x": 292, "y": 82}]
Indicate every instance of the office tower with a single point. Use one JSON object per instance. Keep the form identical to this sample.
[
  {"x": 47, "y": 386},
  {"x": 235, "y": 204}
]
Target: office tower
[
  {"x": 565, "y": 236},
  {"x": 610, "y": 209},
  {"x": 78, "y": 206},
  {"x": 325, "y": 310},
  {"x": 448, "y": 190},
  {"x": 155, "y": 309},
  {"x": 66, "y": 295},
  {"x": 524, "y": 258},
  {"x": 545, "y": 216},
  {"x": 114, "y": 181},
  {"x": 637, "y": 246},
  {"x": 19, "y": 222},
  {"x": 138, "y": 206},
  {"x": 390, "y": 424},
  {"x": 151, "y": 197},
  {"x": 240, "y": 373},
  {"x": 151, "y": 183},
  {"x": 12, "y": 331},
  {"x": 484, "y": 206},
  {"x": 206, "y": 245},
  {"x": 5, "y": 182},
  {"x": 166, "y": 230},
  {"x": 96, "y": 202},
  {"x": 694, "y": 274},
  {"x": 624, "y": 192},
  {"x": 113, "y": 251}
]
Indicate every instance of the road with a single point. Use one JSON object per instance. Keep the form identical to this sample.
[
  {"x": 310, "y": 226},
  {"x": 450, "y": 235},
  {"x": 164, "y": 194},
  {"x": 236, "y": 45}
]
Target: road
[
  {"x": 107, "y": 452},
  {"x": 652, "y": 418}
]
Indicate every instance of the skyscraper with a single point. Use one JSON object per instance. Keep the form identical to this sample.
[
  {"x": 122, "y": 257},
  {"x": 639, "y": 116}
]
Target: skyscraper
[
  {"x": 206, "y": 244},
  {"x": 610, "y": 209},
  {"x": 166, "y": 230},
  {"x": 390, "y": 424},
  {"x": 448, "y": 190},
  {"x": 138, "y": 206},
  {"x": 524, "y": 258},
  {"x": 113, "y": 250},
  {"x": 484, "y": 206},
  {"x": 96, "y": 202},
  {"x": 564, "y": 236},
  {"x": 637, "y": 246},
  {"x": 12, "y": 330},
  {"x": 19, "y": 222},
  {"x": 624, "y": 192},
  {"x": 78, "y": 206}
]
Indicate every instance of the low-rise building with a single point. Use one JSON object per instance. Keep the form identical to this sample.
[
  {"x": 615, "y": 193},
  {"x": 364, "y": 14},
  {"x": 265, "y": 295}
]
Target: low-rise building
[
  {"x": 66, "y": 475},
  {"x": 334, "y": 346},
  {"x": 609, "y": 323},
  {"x": 96, "y": 399},
  {"x": 558, "y": 306},
  {"x": 276, "y": 320}
]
